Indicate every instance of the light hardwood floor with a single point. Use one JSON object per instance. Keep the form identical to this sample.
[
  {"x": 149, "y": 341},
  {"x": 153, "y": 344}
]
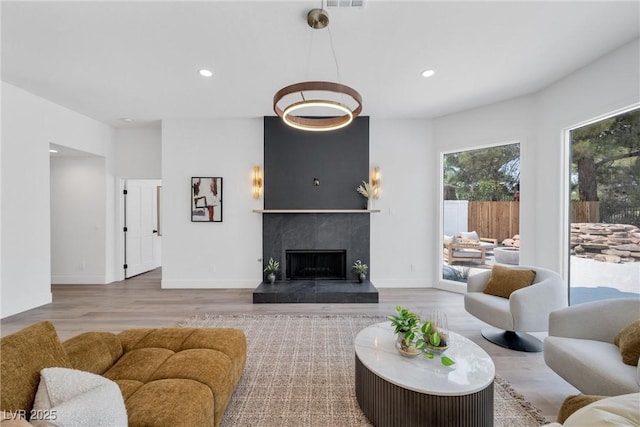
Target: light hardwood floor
[{"x": 139, "y": 302}]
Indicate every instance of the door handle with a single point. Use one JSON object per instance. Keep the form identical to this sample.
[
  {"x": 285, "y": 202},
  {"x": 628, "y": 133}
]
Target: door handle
[{"x": 155, "y": 231}]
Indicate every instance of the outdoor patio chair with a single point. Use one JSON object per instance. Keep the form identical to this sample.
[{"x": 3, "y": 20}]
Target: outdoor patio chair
[
  {"x": 489, "y": 244},
  {"x": 467, "y": 246},
  {"x": 464, "y": 252}
]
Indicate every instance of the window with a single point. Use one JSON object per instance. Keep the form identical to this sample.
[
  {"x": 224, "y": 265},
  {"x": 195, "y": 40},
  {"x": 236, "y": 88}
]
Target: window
[
  {"x": 604, "y": 251},
  {"x": 481, "y": 210}
]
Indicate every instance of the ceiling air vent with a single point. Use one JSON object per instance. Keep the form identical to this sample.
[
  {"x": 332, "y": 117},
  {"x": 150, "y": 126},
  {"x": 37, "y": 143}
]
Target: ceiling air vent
[{"x": 346, "y": 3}]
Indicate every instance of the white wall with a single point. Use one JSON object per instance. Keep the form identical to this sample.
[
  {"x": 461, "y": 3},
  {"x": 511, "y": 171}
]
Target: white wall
[
  {"x": 211, "y": 255},
  {"x": 1, "y": 239},
  {"x": 138, "y": 153},
  {"x": 402, "y": 253},
  {"x": 605, "y": 86},
  {"x": 25, "y": 205},
  {"x": 78, "y": 220},
  {"x": 30, "y": 123},
  {"x": 537, "y": 122}
]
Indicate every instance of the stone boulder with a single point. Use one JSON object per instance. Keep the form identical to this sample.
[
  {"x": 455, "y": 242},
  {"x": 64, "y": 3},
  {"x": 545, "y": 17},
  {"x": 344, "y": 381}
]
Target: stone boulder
[{"x": 605, "y": 242}]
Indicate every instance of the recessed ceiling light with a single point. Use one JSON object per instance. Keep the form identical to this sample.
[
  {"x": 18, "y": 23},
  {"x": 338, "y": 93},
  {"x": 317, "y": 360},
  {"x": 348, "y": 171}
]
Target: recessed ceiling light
[
  {"x": 51, "y": 150},
  {"x": 428, "y": 73},
  {"x": 206, "y": 73}
]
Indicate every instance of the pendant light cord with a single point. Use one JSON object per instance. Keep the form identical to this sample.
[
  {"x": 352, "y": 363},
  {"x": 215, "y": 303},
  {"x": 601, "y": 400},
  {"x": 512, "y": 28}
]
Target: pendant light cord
[{"x": 335, "y": 60}]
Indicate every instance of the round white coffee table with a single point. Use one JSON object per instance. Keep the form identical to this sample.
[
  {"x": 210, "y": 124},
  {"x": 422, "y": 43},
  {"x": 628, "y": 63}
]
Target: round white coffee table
[{"x": 393, "y": 390}]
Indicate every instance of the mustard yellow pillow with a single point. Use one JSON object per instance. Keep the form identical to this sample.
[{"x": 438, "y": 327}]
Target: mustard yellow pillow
[
  {"x": 572, "y": 403},
  {"x": 628, "y": 339},
  {"x": 504, "y": 280}
]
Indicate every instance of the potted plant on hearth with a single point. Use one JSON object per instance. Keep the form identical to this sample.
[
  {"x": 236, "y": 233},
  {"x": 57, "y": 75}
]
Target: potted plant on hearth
[
  {"x": 405, "y": 325},
  {"x": 361, "y": 269},
  {"x": 271, "y": 269}
]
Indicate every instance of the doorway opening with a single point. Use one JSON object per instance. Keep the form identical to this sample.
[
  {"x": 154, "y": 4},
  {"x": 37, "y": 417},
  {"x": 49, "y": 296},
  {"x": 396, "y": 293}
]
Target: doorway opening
[{"x": 142, "y": 226}]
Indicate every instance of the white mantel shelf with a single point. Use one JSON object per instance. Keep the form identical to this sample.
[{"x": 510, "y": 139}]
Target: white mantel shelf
[{"x": 278, "y": 211}]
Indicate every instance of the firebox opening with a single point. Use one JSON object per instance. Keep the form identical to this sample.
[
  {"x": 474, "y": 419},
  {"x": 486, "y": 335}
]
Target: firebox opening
[{"x": 316, "y": 264}]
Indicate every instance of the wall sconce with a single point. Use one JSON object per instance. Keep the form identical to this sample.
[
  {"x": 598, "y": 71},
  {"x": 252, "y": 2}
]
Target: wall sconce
[
  {"x": 256, "y": 182},
  {"x": 375, "y": 181}
]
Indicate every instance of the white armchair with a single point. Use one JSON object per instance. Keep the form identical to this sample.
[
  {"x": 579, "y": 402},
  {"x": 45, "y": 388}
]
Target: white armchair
[
  {"x": 580, "y": 346},
  {"x": 526, "y": 310}
]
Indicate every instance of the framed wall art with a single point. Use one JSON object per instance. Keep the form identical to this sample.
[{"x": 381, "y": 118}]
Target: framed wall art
[{"x": 206, "y": 199}]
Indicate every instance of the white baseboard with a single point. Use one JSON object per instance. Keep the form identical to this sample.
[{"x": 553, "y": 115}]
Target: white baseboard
[
  {"x": 400, "y": 283},
  {"x": 78, "y": 280},
  {"x": 245, "y": 284},
  {"x": 209, "y": 284},
  {"x": 21, "y": 304}
]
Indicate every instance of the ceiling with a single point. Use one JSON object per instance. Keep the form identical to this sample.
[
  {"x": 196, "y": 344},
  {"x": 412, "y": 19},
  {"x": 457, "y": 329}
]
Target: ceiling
[
  {"x": 140, "y": 60},
  {"x": 56, "y": 150}
]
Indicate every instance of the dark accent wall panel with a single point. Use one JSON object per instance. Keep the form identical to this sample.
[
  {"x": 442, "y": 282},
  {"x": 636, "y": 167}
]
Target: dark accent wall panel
[{"x": 293, "y": 158}]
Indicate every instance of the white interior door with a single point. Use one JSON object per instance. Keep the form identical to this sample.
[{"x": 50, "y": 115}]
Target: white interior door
[{"x": 142, "y": 243}]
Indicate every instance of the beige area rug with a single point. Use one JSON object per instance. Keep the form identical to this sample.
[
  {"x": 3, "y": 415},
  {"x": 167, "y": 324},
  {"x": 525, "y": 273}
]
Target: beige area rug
[{"x": 300, "y": 372}]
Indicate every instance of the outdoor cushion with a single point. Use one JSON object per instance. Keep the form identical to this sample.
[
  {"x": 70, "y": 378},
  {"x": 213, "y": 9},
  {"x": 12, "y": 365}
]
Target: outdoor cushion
[
  {"x": 469, "y": 235},
  {"x": 467, "y": 253}
]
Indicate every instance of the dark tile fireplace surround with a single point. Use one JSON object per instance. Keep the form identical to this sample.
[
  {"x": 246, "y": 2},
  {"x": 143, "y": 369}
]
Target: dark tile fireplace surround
[
  {"x": 306, "y": 174},
  {"x": 342, "y": 234}
]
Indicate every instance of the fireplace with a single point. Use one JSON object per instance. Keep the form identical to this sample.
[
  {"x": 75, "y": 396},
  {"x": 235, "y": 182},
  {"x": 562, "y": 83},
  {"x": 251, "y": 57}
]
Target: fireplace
[
  {"x": 316, "y": 264},
  {"x": 316, "y": 251}
]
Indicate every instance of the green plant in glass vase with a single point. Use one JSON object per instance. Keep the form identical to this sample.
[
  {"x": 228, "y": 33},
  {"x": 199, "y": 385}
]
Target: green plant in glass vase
[
  {"x": 406, "y": 324},
  {"x": 434, "y": 341}
]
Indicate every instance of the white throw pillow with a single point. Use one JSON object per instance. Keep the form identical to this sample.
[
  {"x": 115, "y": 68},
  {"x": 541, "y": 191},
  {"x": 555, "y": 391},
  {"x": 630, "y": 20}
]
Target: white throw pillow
[
  {"x": 612, "y": 411},
  {"x": 68, "y": 397}
]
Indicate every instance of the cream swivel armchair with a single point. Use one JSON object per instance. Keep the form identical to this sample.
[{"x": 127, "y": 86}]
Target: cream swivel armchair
[
  {"x": 525, "y": 310},
  {"x": 580, "y": 346}
]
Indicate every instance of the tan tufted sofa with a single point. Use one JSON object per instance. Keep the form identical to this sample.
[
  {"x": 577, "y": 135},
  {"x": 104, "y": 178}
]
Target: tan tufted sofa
[{"x": 168, "y": 377}]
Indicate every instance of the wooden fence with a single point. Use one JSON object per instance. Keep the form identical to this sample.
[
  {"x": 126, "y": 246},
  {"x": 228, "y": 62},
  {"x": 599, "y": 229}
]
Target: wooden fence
[
  {"x": 585, "y": 211},
  {"x": 498, "y": 220},
  {"x": 501, "y": 220}
]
